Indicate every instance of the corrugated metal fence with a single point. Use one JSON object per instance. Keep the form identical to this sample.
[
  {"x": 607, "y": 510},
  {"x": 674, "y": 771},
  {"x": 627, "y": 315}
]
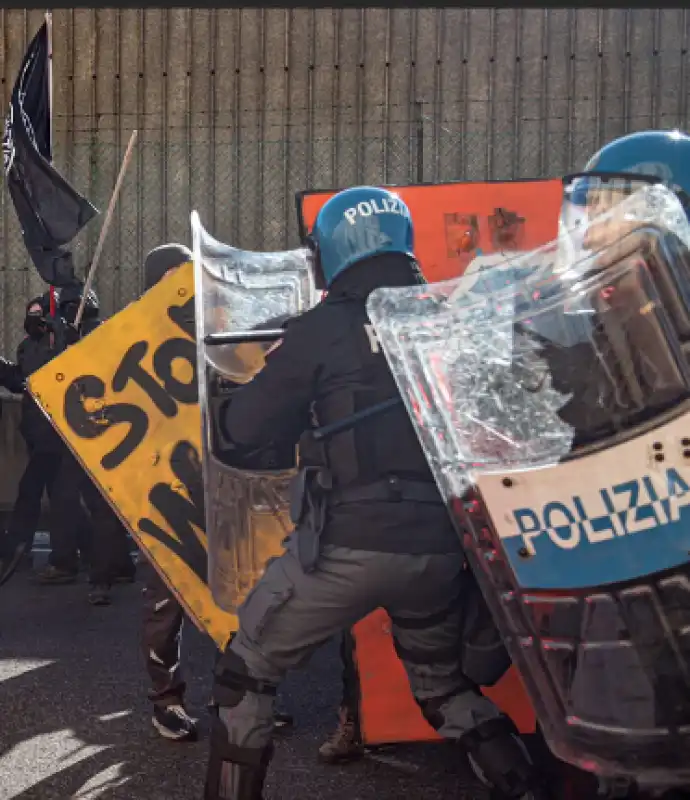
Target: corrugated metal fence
[{"x": 240, "y": 108}]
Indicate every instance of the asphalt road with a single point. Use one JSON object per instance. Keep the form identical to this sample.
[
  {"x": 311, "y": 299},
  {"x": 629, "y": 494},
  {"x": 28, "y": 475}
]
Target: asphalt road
[{"x": 76, "y": 722}]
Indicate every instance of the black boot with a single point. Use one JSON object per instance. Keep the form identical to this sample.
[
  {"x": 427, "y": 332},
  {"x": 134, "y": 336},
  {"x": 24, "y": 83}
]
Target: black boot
[
  {"x": 344, "y": 744},
  {"x": 248, "y": 767},
  {"x": 500, "y": 760}
]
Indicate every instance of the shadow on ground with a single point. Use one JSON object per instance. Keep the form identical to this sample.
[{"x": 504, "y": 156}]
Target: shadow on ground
[{"x": 76, "y": 718}]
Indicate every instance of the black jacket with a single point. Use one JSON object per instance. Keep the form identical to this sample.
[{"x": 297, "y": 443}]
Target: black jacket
[
  {"x": 32, "y": 354},
  {"x": 328, "y": 366}
]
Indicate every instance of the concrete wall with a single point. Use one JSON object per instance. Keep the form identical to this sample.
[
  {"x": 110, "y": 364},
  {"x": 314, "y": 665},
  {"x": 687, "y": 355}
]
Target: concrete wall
[{"x": 239, "y": 108}]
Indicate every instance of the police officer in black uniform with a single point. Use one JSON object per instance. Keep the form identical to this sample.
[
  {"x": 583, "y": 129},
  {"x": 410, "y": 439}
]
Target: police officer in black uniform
[{"x": 371, "y": 528}]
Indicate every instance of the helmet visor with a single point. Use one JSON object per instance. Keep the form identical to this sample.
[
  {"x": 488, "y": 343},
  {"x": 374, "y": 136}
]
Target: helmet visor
[{"x": 589, "y": 195}]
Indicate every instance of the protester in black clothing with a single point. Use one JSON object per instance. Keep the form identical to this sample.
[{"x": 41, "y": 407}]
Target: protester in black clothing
[
  {"x": 109, "y": 558},
  {"x": 11, "y": 378},
  {"x": 44, "y": 447},
  {"x": 110, "y": 561},
  {"x": 163, "y": 616}
]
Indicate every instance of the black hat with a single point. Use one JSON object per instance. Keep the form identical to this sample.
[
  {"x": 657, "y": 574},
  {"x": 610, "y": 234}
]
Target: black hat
[{"x": 163, "y": 258}]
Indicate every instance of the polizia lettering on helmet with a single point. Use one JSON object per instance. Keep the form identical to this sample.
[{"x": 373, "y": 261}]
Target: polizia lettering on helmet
[{"x": 375, "y": 206}]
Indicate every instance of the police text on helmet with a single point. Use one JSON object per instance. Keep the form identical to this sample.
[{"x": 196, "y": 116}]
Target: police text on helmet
[{"x": 384, "y": 205}]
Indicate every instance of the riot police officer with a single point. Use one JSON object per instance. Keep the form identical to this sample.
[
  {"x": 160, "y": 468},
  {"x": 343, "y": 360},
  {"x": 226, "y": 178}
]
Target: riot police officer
[
  {"x": 371, "y": 528},
  {"x": 622, "y": 167},
  {"x": 616, "y": 171},
  {"x": 589, "y": 372}
]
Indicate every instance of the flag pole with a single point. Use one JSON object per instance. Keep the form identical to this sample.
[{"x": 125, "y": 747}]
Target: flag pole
[
  {"x": 49, "y": 36},
  {"x": 49, "y": 31},
  {"x": 106, "y": 224}
]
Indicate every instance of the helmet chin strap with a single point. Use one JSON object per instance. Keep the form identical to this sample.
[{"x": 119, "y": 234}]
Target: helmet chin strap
[{"x": 421, "y": 280}]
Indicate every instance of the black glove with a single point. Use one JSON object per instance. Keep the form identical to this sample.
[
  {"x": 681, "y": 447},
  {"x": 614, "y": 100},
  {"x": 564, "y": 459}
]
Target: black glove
[
  {"x": 71, "y": 334},
  {"x": 11, "y": 377},
  {"x": 65, "y": 333}
]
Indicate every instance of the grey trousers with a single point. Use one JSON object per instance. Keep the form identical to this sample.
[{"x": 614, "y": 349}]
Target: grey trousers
[{"x": 290, "y": 614}]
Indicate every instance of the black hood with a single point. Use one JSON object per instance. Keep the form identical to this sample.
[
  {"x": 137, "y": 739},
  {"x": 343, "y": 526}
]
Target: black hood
[{"x": 163, "y": 258}]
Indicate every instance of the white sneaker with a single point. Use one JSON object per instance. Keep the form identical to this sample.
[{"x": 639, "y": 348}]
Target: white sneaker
[{"x": 174, "y": 723}]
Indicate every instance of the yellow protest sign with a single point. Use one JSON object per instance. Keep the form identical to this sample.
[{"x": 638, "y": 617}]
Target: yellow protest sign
[{"x": 125, "y": 400}]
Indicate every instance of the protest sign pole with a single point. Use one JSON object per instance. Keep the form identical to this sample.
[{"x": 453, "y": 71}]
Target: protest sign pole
[{"x": 106, "y": 224}]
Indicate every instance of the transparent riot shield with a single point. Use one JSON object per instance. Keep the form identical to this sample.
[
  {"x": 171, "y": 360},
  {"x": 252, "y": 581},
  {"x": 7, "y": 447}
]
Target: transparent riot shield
[
  {"x": 555, "y": 414},
  {"x": 246, "y": 493}
]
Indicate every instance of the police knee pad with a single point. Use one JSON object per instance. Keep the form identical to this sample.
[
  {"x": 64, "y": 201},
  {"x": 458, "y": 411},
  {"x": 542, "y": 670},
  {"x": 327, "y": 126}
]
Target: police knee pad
[
  {"x": 248, "y": 763},
  {"x": 232, "y": 681},
  {"x": 499, "y": 758}
]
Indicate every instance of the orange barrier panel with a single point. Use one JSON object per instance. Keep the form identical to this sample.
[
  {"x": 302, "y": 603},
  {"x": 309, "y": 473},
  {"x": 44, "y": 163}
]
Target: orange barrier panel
[
  {"x": 455, "y": 222},
  {"x": 389, "y": 713}
]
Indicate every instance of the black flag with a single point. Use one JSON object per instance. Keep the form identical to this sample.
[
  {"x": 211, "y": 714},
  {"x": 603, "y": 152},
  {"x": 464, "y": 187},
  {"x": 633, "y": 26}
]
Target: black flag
[{"x": 51, "y": 213}]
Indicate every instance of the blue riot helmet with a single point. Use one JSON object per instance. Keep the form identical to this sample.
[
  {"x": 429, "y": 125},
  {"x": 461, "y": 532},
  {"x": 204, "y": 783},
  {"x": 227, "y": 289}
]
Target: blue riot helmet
[
  {"x": 593, "y": 242},
  {"x": 355, "y": 224},
  {"x": 622, "y": 167}
]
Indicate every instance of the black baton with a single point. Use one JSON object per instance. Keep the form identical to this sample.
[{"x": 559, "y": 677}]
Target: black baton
[
  {"x": 244, "y": 337},
  {"x": 342, "y": 425}
]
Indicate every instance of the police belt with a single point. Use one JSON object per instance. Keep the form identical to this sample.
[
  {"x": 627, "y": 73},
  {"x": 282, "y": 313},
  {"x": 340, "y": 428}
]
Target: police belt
[{"x": 389, "y": 490}]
